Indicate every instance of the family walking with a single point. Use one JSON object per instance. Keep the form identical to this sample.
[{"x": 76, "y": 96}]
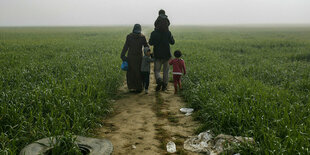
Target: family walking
[{"x": 139, "y": 66}]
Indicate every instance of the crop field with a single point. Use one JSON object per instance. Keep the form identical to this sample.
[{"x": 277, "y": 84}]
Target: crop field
[
  {"x": 242, "y": 81},
  {"x": 55, "y": 80},
  {"x": 251, "y": 82}
]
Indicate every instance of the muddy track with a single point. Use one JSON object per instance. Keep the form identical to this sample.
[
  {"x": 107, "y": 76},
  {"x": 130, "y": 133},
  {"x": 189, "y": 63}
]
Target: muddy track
[{"x": 144, "y": 123}]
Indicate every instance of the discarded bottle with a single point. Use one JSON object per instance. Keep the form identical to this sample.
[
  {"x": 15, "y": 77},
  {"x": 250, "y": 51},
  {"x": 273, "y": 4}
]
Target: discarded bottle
[{"x": 171, "y": 148}]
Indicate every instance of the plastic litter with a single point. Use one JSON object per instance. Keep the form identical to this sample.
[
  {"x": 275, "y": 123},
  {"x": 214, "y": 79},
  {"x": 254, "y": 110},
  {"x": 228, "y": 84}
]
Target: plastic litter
[
  {"x": 188, "y": 114},
  {"x": 133, "y": 146},
  {"x": 206, "y": 142},
  {"x": 187, "y": 111},
  {"x": 199, "y": 143},
  {"x": 171, "y": 148}
]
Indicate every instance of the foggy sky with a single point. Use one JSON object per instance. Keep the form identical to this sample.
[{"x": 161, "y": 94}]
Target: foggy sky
[{"x": 129, "y": 12}]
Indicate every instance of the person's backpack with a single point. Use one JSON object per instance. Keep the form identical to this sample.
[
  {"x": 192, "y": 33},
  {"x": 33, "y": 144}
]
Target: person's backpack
[{"x": 124, "y": 66}]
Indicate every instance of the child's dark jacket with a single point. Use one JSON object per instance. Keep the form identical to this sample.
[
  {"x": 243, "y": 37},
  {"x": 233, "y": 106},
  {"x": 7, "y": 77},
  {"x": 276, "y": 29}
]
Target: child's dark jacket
[
  {"x": 145, "y": 66},
  {"x": 162, "y": 23}
]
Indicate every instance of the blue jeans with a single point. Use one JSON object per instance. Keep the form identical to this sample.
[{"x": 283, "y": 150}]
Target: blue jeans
[{"x": 145, "y": 79}]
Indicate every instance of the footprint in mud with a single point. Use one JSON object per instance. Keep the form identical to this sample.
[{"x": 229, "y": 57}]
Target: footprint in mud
[
  {"x": 111, "y": 127},
  {"x": 143, "y": 129},
  {"x": 167, "y": 100}
]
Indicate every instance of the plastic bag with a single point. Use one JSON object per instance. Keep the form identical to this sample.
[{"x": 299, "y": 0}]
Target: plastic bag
[
  {"x": 200, "y": 143},
  {"x": 188, "y": 111},
  {"x": 206, "y": 142},
  {"x": 124, "y": 66}
]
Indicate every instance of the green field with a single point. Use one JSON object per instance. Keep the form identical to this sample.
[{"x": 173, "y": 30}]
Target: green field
[
  {"x": 54, "y": 80},
  {"x": 245, "y": 81}
]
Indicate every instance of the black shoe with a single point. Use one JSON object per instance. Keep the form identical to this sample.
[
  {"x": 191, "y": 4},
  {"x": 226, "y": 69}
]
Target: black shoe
[
  {"x": 138, "y": 91},
  {"x": 164, "y": 87},
  {"x": 158, "y": 87},
  {"x": 159, "y": 84}
]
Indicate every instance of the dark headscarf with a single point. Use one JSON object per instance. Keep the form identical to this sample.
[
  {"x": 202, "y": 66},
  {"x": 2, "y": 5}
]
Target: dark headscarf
[{"x": 137, "y": 29}]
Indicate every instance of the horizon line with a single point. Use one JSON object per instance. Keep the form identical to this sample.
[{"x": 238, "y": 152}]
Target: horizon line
[{"x": 175, "y": 25}]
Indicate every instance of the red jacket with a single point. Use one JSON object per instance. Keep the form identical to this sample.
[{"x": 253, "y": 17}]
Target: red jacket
[{"x": 178, "y": 66}]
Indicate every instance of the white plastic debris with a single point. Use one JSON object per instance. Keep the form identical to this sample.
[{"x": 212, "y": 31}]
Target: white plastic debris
[
  {"x": 199, "y": 143},
  {"x": 134, "y": 147},
  {"x": 171, "y": 148},
  {"x": 205, "y": 142},
  {"x": 187, "y": 111},
  {"x": 188, "y": 114}
]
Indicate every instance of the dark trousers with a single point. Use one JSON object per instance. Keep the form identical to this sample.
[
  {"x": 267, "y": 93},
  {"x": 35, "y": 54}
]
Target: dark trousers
[
  {"x": 145, "y": 79},
  {"x": 176, "y": 82}
]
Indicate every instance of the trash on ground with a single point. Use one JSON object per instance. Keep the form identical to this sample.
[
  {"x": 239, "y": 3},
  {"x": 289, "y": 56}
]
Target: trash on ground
[
  {"x": 134, "y": 147},
  {"x": 206, "y": 142},
  {"x": 187, "y": 111},
  {"x": 188, "y": 114},
  {"x": 199, "y": 143},
  {"x": 171, "y": 148}
]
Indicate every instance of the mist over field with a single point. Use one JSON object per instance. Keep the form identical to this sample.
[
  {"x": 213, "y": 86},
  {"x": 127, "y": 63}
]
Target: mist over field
[
  {"x": 129, "y": 12},
  {"x": 247, "y": 75}
]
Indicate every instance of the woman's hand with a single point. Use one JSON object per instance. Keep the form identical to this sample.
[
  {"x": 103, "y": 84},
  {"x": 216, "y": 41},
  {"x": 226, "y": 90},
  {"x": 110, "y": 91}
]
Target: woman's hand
[{"x": 124, "y": 58}]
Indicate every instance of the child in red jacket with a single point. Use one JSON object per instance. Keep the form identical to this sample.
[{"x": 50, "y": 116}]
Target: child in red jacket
[{"x": 178, "y": 69}]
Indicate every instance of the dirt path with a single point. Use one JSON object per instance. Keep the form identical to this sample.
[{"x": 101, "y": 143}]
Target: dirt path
[{"x": 144, "y": 123}]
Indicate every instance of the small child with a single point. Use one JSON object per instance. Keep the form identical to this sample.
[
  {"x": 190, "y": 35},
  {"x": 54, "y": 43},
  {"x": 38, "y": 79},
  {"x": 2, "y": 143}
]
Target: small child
[
  {"x": 145, "y": 68},
  {"x": 162, "y": 22},
  {"x": 178, "y": 68}
]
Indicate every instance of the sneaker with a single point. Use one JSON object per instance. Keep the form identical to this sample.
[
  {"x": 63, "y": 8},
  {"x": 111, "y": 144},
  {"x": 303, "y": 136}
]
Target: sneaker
[{"x": 146, "y": 91}]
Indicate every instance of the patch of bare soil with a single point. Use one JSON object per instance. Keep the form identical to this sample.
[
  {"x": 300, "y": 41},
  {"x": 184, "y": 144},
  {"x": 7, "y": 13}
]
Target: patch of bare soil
[{"x": 145, "y": 123}]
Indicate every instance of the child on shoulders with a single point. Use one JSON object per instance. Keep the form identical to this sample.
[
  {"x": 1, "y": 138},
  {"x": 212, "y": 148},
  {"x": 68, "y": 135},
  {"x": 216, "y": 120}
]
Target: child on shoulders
[
  {"x": 162, "y": 22},
  {"x": 178, "y": 70}
]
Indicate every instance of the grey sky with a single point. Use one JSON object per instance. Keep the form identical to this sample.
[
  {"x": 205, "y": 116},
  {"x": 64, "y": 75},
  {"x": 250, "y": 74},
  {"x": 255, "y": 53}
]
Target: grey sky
[{"x": 128, "y": 12}]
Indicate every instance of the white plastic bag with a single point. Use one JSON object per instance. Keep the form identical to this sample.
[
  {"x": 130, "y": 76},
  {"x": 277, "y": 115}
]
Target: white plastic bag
[
  {"x": 199, "y": 143},
  {"x": 187, "y": 111}
]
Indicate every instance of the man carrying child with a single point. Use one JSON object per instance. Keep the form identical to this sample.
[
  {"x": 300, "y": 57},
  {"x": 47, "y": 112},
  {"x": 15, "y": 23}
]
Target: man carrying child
[{"x": 161, "y": 38}]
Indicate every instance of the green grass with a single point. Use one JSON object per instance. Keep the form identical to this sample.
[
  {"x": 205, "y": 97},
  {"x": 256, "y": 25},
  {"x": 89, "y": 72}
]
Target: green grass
[
  {"x": 56, "y": 80},
  {"x": 250, "y": 82},
  {"x": 245, "y": 81}
]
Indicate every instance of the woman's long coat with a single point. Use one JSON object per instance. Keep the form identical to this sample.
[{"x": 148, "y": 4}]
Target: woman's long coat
[{"x": 134, "y": 43}]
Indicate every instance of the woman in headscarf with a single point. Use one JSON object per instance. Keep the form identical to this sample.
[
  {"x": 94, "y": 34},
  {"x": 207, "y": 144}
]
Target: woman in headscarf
[{"x": 134, "y": 43}]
